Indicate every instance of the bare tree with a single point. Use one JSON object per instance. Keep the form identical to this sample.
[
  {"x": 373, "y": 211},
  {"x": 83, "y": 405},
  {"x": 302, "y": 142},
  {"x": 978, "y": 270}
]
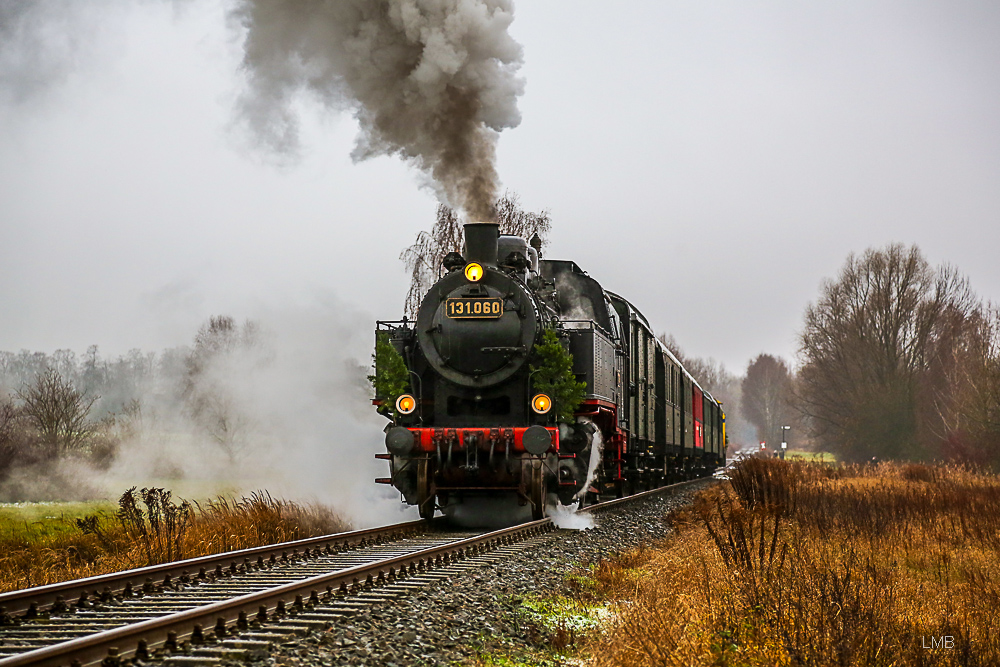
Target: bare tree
[
  {"x": 709, "y": 373},
  {"x": 767, "y": 388},
  {"x": 58, "y": 411},
  {"x": 516, "y": 221},
  {"x": 208, "y": 393},
  {"x": 424, "y": 258},
  {"x": 674, "y": 347},
  {"x": 980, "y": 412},
  {"x": 961, "y": 391},
  {"x": 10, "y": 443},
  {"x": 866, "y": 343}
]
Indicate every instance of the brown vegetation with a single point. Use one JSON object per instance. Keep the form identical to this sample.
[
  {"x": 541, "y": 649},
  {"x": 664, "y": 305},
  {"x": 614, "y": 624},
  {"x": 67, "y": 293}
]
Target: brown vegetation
[
  {"x": 150, "y": 528},
  {"x": 799, "y": 564}
]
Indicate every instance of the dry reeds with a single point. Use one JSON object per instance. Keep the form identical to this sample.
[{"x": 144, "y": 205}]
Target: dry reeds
[
  {"x": 797, "y": 564},
  {"x": 150, "y": 528},
  {"x": 226, "y": 524}
]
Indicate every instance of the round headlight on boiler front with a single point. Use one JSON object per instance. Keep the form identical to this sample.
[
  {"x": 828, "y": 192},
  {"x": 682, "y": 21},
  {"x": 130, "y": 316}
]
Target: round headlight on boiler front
[
  {"x": 541, "y": 404},
  {"x": 474, "y": 271},
  {"x": 406, "y": 404}
]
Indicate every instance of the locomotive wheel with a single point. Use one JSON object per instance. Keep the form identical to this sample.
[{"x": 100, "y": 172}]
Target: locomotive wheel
[{"x": 425, "y": 494}]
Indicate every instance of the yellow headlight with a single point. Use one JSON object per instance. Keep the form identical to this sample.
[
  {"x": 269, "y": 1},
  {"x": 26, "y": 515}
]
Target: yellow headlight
[
  {"x": 406, "y": 404},
  {"x": 474, "y": 272},
  {"x": 541, "y": 404}
]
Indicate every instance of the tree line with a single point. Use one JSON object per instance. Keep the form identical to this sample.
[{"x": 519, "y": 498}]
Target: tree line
[
  {"x": 57, "y": 407},
  {"x": 897, "y": 359}
]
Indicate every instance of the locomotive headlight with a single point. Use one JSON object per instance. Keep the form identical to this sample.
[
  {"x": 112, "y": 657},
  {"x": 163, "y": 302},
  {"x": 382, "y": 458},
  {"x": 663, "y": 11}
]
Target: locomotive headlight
[
  {"x": 541, "y": 404},
  {"x": 406, "y": 404},
  {"x": 474, "y": 272}
]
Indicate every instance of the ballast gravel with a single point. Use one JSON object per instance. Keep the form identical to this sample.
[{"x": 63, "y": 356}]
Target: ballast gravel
[{"x": 474, "y": 613}]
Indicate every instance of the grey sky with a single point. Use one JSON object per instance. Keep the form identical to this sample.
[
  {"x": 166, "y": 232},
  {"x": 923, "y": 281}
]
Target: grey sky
[{"x": 713, "y": 162}]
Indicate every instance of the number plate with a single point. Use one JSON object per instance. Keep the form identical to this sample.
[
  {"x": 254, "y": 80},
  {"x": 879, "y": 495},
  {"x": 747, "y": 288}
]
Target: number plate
[{"x": 462, "y": 309}]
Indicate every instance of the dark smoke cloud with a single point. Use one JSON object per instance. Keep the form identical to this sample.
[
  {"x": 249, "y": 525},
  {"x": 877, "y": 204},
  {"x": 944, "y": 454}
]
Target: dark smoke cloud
[{"x": 433, "y": 81}]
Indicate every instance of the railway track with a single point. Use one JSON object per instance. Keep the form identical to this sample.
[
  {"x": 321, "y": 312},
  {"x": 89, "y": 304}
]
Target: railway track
[{"x": 237, "y": 604}]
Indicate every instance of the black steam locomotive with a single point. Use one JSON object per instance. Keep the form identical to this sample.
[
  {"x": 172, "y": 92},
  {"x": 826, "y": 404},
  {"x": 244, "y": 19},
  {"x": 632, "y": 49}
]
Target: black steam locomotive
[{"x": 469, "y": 418}]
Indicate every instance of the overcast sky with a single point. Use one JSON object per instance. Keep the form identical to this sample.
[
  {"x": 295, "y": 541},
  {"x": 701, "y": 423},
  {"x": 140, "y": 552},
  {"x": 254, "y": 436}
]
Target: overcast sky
[{"x": 712, "y": 162}]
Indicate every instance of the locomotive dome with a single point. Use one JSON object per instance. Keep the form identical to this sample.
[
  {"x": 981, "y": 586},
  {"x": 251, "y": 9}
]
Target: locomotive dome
[{"x": 477, "y": 328}]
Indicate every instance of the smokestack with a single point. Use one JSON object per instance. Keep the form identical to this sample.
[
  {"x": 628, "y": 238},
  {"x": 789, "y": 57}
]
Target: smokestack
[{"x": 481, "y": 242}]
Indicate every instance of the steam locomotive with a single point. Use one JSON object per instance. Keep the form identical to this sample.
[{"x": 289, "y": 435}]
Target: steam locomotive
[{"x": 468, "y": 419}]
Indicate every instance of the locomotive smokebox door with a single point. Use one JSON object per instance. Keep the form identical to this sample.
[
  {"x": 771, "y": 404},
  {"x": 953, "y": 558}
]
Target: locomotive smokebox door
[{"x": 478, "y": 333}]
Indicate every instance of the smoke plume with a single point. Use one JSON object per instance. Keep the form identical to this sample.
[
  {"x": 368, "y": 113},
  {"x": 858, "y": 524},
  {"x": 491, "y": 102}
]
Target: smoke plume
[
  {"x": 432, "y": 81},
  {"x": 41, "y": 44}
]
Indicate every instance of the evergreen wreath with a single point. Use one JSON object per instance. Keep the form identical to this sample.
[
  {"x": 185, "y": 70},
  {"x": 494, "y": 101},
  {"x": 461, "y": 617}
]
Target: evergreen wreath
[
  {"x": 552, "y": 374},
  {"x": 391, "y": 378}
]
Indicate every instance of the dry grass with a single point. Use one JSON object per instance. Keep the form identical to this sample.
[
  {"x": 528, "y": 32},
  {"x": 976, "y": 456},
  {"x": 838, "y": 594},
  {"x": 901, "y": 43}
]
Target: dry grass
[
  {"x": 798, "y": 564},
  {"x": 150, "y": 528}
]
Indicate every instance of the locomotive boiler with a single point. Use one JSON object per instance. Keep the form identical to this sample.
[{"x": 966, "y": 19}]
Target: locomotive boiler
[{"x": 522, "y": 377}]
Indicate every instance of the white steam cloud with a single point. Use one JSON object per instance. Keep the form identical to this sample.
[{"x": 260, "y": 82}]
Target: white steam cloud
[
  {"x": 297, "y": 414},
  {"x": 433, "y": 81},
  {"x": 566, "y": 517},
  {"x": 596, "y": 450}
]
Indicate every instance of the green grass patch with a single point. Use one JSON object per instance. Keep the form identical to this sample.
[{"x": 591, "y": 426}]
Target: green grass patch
[
  {"x": 582, "y": 584},
  {"x": 555, "y": 626},
  {"x": 30, "y": 522},
  {"x": 562, "y": 614},
  {"x": 510, "y": 660}
]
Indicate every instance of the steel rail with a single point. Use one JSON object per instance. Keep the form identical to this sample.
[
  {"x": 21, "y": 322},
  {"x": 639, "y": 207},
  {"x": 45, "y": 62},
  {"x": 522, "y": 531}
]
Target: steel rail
[
  {"x": 124, "y": 641},
  {"x": 44, "y": 597},
  {"x": 174, "y": 628},
  {"x": 669, "y": 488}
]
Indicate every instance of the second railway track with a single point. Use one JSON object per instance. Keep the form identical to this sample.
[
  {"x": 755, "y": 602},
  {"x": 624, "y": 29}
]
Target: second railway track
[{"x": 238, "y": 603}]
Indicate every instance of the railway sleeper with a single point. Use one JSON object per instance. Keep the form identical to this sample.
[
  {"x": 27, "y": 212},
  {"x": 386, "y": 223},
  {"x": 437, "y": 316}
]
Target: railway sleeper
[{"x": 241, "y": 649}]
